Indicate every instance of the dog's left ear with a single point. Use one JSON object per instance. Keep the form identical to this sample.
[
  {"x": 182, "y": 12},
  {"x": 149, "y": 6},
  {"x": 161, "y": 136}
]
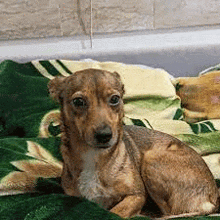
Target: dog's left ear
[
  {"x": 56, "y": 87},
  {"x": 118, "y": 77}
]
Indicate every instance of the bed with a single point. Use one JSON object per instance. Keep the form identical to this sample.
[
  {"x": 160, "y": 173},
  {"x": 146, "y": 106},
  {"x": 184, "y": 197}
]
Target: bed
[{"x": 149, "y": 62}]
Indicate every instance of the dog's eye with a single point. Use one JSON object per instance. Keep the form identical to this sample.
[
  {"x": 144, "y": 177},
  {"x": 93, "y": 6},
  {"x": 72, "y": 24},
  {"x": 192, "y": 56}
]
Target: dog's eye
[
  {"x": 79, "y": 102},
  {"x": 114, "y": 100}
]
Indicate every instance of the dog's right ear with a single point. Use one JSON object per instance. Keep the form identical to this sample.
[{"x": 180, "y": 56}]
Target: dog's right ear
[{"x": 56, "y": 87}]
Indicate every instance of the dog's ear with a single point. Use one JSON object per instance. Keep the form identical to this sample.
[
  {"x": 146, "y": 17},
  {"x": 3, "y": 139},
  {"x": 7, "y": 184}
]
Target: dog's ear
[
  {"x": 118, "y": 77},
  {"x": 56, "y": 87},
  {"x": 116, "y": 74}
]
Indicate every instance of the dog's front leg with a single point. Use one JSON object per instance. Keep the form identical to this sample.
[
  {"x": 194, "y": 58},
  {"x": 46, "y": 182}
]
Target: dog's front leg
[{"x": 129, "y": 206}]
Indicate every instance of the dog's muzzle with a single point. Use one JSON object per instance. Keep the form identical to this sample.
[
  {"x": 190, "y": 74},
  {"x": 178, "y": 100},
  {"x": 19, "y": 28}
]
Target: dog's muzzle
[{"x": 103, "y": 135}]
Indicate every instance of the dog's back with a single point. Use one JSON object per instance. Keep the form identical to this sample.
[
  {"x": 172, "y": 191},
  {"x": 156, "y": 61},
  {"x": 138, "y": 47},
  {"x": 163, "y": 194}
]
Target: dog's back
[{"x": 175, "y": 176}]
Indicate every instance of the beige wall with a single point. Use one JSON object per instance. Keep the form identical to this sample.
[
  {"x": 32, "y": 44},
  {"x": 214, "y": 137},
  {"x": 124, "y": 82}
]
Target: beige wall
[{"x": 43, "y": 18}]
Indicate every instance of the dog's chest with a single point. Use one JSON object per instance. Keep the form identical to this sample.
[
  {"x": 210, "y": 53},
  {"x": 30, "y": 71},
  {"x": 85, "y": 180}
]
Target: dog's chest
[{"x": 89, "y": 184}]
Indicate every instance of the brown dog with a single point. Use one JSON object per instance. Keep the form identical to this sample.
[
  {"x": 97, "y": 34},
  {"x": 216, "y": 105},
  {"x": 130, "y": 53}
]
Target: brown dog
[
  {"x": 200, "y": 96},
  {"x": 118, "y": 166}
]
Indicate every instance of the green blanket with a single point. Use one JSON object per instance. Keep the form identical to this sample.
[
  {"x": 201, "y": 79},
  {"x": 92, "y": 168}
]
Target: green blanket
[{"x": 30, "y": 161}]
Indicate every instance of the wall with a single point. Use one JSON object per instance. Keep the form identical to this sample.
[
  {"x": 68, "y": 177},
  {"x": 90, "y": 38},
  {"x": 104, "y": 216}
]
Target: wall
[{"x": 22, "y": 19}]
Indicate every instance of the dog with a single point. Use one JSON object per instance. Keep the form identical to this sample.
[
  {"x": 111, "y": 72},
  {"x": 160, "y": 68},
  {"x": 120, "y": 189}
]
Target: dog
[
  {"x": 119, "y": 166},
  {"x": 200, "y": 96}
]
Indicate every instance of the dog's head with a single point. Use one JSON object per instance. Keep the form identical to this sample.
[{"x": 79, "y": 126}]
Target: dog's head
[{"x": 92, "y": 105}]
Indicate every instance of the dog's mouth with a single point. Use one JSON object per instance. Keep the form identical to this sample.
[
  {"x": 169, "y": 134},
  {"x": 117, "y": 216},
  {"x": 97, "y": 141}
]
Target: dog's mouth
[{"x": 103, "y": 146}]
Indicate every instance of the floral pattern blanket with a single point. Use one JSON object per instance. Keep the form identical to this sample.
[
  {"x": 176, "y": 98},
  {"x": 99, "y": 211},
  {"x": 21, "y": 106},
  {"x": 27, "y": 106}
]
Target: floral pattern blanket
[{"x": 30, "y": 160}]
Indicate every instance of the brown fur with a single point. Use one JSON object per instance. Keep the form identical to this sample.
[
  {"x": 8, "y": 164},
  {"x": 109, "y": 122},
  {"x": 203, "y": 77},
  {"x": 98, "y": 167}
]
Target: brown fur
[
  {"x": 200, "y": 96},
  {"x": 119, "y": 166}
]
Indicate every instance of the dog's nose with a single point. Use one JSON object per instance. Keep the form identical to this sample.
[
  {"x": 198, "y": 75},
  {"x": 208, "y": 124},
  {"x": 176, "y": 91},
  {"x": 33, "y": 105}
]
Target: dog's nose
[{"x": 103, "y": 134}]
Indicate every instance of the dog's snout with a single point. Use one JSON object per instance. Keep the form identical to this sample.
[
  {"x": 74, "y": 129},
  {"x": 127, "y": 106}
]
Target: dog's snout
[{"x": 103, "y": 134}]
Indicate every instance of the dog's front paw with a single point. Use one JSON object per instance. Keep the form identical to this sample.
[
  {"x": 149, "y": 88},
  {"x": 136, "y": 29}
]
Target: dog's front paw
[
  {"x": 129, "y": 206},
  {"x": 121, "y": 211}
]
